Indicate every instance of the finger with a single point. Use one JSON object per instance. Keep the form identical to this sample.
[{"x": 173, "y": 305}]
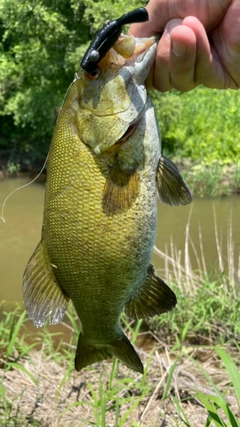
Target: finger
[
  {"x": 209, "y": 70},
  {"x": 158, "y": 14},
  {"x": 175, "y": 59},
  {"x": 162, "y": 11},
  {"x": 161, "y": 74},
  {"x": 226, "y": 41},
  {"x": 159, "y": 77},
  {"x": 182, "y": 58}
]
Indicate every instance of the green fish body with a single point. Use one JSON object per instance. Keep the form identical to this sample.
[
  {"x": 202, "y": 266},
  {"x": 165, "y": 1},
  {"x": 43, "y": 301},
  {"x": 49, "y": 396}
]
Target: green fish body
[{"x": 105, "y": 176}]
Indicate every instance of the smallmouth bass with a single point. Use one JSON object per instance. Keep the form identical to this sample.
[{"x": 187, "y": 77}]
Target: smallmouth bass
[{"x": 105, "y": 174}]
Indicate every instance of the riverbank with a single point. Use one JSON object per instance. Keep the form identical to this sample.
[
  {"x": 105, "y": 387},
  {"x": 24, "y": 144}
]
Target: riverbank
[
  {"x": 210, "y": 180},
  {"x": 204, "y": 180},
  {"x": 41, "y": 388},
  {"x": 187, "y": 378},
  {"x": 41, "y": 392}
]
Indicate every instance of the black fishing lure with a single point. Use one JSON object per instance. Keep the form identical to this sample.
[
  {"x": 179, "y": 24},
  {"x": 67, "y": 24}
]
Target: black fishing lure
[{"x": 107, "y": 36}]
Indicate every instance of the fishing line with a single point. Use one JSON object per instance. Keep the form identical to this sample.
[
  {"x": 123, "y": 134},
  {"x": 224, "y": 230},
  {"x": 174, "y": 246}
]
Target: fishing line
[
  {"x": 76, "y": 77},
  {"x": 19, "y": 188}
]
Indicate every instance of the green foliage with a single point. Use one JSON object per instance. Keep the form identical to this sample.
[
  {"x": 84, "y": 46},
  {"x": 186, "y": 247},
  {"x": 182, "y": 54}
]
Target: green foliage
[
  {"x": 97, "y": 12},
  {"x": 10, "y": 328},
  {"x": 232, "y": 370},
  {"x": 111, "y": 398},
  {"x": 219, "y": 411},
  {"x": 202, "y": 125},
  {"x": 41, "y": 44}
]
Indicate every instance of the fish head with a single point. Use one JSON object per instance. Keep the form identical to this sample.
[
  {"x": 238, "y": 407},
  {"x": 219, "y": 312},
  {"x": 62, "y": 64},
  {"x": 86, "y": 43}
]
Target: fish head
[{"x": 112, "y": 98}]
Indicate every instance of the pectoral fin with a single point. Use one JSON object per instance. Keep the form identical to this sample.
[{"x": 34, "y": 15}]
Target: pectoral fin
[
  {"x": 155, "y": 297},
  {"x": 172, "y": 189},
  {"x": 42, "y": 294},
  {"x": 121, "y": 189}
]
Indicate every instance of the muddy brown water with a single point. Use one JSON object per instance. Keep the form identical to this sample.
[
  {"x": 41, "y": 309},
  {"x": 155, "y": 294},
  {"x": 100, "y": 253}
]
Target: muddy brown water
[{"x": 20, "y": 233}]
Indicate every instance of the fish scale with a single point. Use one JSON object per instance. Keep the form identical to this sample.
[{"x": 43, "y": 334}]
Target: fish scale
[{"x": 105, "y": 176}]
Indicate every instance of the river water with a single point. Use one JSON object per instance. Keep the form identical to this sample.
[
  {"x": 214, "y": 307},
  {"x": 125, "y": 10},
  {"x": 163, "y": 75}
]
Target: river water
[{"x": 21, "y": 232}]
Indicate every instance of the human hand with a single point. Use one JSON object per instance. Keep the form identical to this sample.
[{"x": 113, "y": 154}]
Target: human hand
[{"x": 200, "y": 43}]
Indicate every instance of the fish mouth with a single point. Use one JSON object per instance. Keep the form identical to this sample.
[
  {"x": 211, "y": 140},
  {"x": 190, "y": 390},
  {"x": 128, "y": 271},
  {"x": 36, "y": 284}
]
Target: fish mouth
[
  {"x": 145, "y": 47},
  {"x": 144, "y": 59}
]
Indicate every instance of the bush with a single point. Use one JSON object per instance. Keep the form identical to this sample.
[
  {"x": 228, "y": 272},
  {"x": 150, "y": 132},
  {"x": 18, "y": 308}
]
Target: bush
[
  {"x": 41, "y": 45},
  {"x": 202, "y": 125}
]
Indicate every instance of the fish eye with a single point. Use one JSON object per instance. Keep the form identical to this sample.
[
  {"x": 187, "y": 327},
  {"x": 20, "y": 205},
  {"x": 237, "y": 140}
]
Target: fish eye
[{"x": 93, "y": 75}]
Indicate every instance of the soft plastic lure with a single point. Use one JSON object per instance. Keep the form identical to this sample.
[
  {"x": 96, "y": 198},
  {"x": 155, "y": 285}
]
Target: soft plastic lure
[{"x": 107, "y": 36}]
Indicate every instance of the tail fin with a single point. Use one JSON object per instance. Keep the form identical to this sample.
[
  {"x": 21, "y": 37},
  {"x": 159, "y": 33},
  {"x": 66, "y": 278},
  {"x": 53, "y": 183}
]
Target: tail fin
[
  {"x": 87, "y": 354},
  {"x": 124, "y": 350}
]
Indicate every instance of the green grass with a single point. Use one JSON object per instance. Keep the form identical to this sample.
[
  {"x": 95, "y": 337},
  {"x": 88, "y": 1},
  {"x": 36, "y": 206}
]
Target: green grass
[
  {"x": 209, "y": 315},
  {"x": 115, "y": 393},
  {"x": 218, "y": 410},
  {"x": 206, "y": 147}
]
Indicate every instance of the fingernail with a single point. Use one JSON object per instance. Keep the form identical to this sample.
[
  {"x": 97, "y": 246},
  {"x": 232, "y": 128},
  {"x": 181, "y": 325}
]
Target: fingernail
[
  {"x": 178, "y": 48},
  {"x": 170, "y": 25}
]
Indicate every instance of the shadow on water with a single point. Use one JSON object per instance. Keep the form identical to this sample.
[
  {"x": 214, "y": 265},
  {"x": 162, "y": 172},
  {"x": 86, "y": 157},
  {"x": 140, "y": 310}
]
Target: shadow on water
[{"x": 23, "y": 214}]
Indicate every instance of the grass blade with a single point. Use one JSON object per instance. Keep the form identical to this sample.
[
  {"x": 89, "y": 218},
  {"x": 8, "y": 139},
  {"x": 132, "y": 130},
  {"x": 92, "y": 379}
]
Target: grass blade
[
  {"x": 181, "y": 412},
  {"x": 212, "y": 404},
  {"x": 23, "y": 369},
  {"x": 232, "y": 370},
  {"x": 14, "y": 333},
  {"x": 128, "y": 412},
  {"x": 211, "y": 408},
  {"x": 169, "y": 379}
]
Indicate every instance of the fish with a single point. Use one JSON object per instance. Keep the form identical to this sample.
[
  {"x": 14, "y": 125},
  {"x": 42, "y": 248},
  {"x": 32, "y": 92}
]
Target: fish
[{"x": 105, "y": 177}]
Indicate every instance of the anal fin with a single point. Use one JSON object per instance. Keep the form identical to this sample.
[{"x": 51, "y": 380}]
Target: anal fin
[
  {"x": 172, "y": 189},
  {"x": 154, "y": 297},
  {"x": 43, "y": 297}
]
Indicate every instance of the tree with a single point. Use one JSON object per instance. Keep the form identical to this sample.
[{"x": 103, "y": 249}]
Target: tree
[{"x": 41, "y": 44}]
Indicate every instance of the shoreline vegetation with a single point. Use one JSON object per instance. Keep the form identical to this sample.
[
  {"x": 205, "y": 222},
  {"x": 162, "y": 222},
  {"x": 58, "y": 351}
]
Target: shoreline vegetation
[
  {"x": 191, "y": 358},
  {"x": 210, "y": 180}
]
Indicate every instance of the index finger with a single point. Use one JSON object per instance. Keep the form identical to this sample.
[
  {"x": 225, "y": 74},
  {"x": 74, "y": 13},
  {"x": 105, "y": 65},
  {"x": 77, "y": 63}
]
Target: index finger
[{"x": 154, "y": 25}]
